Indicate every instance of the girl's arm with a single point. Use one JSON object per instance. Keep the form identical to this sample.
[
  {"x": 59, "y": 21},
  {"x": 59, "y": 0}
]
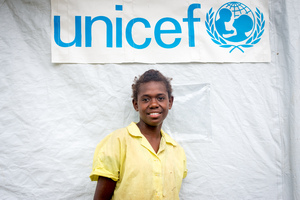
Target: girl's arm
[{"x": 104, "y": 189}]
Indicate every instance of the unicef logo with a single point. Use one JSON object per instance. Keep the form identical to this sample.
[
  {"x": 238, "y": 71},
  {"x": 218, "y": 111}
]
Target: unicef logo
[{"x": 235, "y": 26}]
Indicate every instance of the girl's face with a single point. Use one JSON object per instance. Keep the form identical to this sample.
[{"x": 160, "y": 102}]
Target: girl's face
[{"x": 153, "y": 103}]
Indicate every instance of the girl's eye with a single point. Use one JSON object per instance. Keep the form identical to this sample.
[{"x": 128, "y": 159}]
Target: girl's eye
[
  {"x": 160, "y": 98},
  {"x": 145, "y": 100}
]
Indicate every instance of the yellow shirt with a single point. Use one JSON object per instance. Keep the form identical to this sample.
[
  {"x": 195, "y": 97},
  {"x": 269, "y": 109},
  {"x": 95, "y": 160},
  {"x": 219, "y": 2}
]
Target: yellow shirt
[{"x": 127, "y": 157}]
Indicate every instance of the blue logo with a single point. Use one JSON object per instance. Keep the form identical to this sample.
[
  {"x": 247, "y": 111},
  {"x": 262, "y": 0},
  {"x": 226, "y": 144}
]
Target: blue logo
[
  {"x": 85, "y": 29},
  {"x": 235, "y": 26}
]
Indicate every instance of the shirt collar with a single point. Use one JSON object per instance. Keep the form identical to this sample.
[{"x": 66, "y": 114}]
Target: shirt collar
[{"x": 134, "y": 131}]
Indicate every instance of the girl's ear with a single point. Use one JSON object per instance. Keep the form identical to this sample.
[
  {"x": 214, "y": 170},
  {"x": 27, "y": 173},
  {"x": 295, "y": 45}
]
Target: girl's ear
[
  {"x": 135, "y": 105},
  {"x": 171, "y": 100}
]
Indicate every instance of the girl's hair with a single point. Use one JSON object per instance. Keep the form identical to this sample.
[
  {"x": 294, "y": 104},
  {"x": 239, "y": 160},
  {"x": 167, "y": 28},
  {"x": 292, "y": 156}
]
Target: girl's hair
[{"x": 150, "y": 75}]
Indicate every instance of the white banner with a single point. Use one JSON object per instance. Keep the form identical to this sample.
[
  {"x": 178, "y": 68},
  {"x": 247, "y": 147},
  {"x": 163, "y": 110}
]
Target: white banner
[{"x": 159, "y": 31}]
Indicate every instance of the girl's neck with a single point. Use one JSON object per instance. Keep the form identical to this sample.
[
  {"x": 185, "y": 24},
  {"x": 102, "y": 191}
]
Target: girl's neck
[
  {"x": 152, "y": 134},
  {"x": 149, "y": 131}
]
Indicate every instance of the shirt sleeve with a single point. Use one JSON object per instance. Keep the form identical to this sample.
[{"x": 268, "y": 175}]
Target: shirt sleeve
[{"x": 106, "y": 160}]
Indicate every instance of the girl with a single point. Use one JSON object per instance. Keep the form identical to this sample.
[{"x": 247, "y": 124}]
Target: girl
[{"x": 141, "y": 161}]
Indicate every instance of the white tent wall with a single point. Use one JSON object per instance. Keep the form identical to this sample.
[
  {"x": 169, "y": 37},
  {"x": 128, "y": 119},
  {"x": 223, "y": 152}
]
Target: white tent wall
[
  {"x": 53, "y": 115},
  {"x": 285, "y": 22}
]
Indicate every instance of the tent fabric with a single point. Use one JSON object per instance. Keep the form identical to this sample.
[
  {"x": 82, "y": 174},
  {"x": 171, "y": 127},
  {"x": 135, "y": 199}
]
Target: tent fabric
[{"x": 53, "y": 115}]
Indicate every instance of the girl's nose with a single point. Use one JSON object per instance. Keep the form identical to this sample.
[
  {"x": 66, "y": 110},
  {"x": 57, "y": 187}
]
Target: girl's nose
[{"x": 153, "y": 103}]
